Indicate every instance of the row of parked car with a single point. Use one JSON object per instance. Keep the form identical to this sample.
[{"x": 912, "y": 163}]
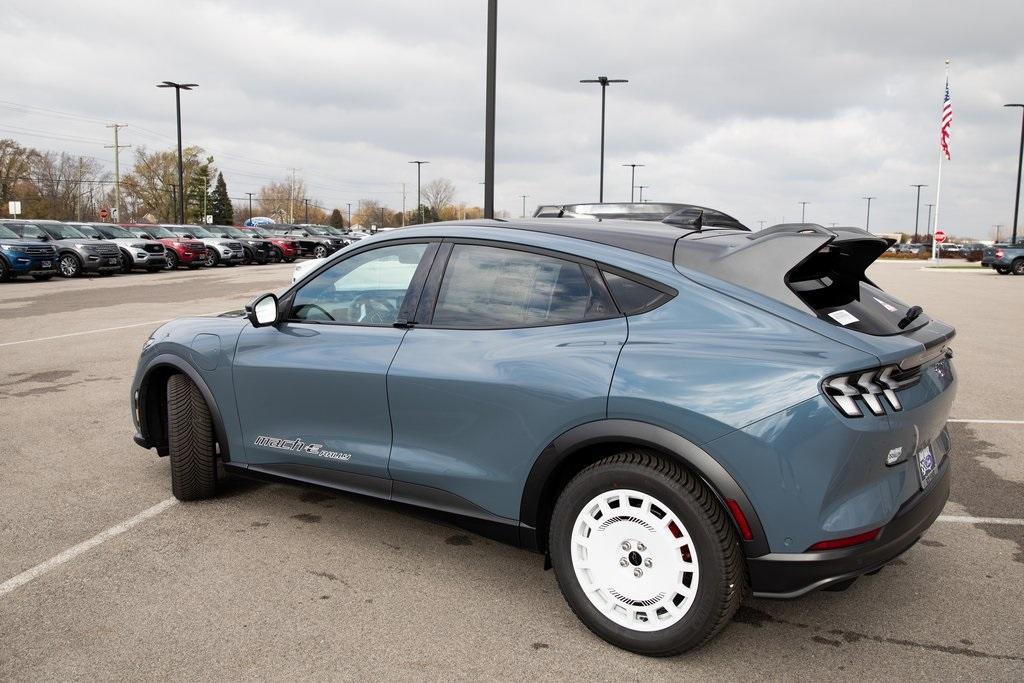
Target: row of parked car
[{"x": 44, "y": 248}]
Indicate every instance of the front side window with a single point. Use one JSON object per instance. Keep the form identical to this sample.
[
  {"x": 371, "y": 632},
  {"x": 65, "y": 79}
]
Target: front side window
[
  {"x": 365, "y": 289},
  {"x": 491, "y": 287},
  {"x": 29, "y": 230}
]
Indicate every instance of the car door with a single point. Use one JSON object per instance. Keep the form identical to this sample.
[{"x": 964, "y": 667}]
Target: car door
[
  {"x": 511, "y": 347},
  {"x": 311, "y": 391}
]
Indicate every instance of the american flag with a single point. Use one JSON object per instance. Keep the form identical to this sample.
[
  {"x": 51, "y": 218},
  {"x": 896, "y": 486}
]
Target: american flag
[{"x": 947, "y": 121}]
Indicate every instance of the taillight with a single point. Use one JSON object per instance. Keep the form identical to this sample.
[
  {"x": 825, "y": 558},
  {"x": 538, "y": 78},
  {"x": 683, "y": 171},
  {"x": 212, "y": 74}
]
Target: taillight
[
  {"x": 868, "y": 387},
  {"x": 836, "y": 543},
  {"x": 999, "y": 253}
]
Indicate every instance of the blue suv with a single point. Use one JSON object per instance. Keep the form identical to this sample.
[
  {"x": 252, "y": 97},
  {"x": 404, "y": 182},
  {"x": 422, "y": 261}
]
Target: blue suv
[
  {"x": 676, "y": 414},
  {"x": 25, "y": 257}
]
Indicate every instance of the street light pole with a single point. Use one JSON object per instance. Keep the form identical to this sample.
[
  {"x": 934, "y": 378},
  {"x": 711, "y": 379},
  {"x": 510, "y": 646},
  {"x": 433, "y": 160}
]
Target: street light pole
[
  {"x": 306, "y": 199},
  {"x": 632, "y": 179},
  {"x": 603, "y": 81},
  {"x": 178, "y": 87},
  {"x": 1020, "y": 163},
  {"x": 928, "y": 225},
  {"x": 803, "y": 211},
  {"x": 867, "y": 225},
  {"x": 524, "y": 196},
  {"x": 349, "y": 215},
  {"x": 419, "y": 194},
  {"x": 250, "y": 204},
  {"x": 489, "y": 97},
  {"x": 917, "y": 209}
]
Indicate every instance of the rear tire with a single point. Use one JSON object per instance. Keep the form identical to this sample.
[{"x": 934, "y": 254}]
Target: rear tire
[
  {"x": 641, "y": 601},
  {"x": 5, "y": 271},
  {"x": 276, "y": 256},
  {"x": 1017, "y": 267},
  {"x": 1003, "y": 271},
  {"x": 106, "y": 273},
  {"x": 190, "y": 441}
]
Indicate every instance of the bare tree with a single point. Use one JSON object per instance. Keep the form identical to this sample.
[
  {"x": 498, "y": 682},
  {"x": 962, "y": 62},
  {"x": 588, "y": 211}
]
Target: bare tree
[
  {"x": 152, "y": 186},
  {"x": 59, "y": 182},
  {"x": 438, "y": 195},
  {"x": 283, "y": 201}
]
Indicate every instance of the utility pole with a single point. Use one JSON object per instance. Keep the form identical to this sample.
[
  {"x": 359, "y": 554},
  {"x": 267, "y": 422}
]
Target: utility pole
[
  {"x": 1020, "y": 164},
  {"x": 178, "y": 87},
  {"x": 403, "y": 205},
  {"x": 916, "y": 211},
  {"x": 867, "y": 225},
  {"x": 997, "y": 226},
  {"x": 632, "y": 179},
  {"x": 117, "y": 171},
  {"x": 306, "y": 199},
  {"x": 803, "y": 211},
  {"x": 642, "y": 188},
  {"x": 250, "y": 204},
  {"x": 419, "y": 193},
  {"x": 524, "y": 196},
  {"x": 928, "y": 225},
  {"x": 206, "y": 185},
  {"x": 349, "y": 215},
  {"x": 762, "y": 222},
  {"x": 291, "y": 198},
  {"x": 603, "y": 81},
  {"x": 489, "y": 105}
]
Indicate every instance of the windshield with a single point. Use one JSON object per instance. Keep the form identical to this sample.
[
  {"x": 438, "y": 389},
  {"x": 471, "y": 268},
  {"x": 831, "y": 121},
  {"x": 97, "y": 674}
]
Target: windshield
[
  {"x": 235, "y": 232},
  {"x": 197, "y": 231},
  {"x": 316, "y": 230},
  {"x": 258, "y": 232},
  {"x": 117, "y": 232},
  {"x": 63, "y": 232},
  {"x": 159, "y": 233},
  {"x": 7, "y": 233},
  {"x": 88, "y": 231}
]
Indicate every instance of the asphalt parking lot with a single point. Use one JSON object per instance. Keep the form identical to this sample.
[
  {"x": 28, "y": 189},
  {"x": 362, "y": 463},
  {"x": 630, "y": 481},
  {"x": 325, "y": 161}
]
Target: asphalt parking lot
[{"x": 272, "y": 581}]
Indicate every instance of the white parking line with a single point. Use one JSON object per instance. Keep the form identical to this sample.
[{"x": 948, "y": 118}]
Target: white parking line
[
  {"x": 989, "y": 422},
  {"x": 957, "y": 519},
  {"x": 74, "y": 551},
  {"x": 104, "y": 329}
]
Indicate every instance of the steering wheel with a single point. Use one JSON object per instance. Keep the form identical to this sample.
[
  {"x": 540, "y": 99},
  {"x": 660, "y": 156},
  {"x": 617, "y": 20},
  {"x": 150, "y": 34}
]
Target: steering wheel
[
  {"x": 373, "y": 310},
  {"x": 319, "y": 308}
]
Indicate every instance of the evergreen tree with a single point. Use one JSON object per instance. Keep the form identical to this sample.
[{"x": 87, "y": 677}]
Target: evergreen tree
[
  {"x": 336, "y": 220},
  {"x": 221, "y": 208}
]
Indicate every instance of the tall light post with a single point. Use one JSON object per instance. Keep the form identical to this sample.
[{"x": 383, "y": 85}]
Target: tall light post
[
  {"x": 803, "y": 211},
  {"x": 917, "y": 209},
  {"x": 178, "y": 87},
  {"x": 349, "y": 215},
  {"x": 419, "y": 194},
  {"x": 867, "y": 222},
  {"x": 524, "y": 196},
  {"x": 489, "y": 104},
  {"x": 603, "y": 81},
  {"x": 1020, "y": 163},
  {"x": 250, "y": 204},
  {"x": 632, "y": 179},
  {"x": 642, "y": 188},
  {"x": 928, "y": 225}
]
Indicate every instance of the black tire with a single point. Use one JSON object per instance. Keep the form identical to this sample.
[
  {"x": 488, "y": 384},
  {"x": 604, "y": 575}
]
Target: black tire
[
  {"x": 127, "y": 262},
  {"x": 248, "y": 257},
  {"x": 5, "y": 270},
  {"x": 722, "y": 581},
  {"x": 190, "y": 441},
  {"x": 1017, "y": 267},
  {"x": 230, "y": 264},
  {"x": 212, "y": 258},
  {"x": 1003, "y": 271},
  {"x": 106, "y": 273},
  {"x": 320, "y": 251},
  {"x": 42, "y": 277},
  {"x": 172, "y": 260},
  {"x": 195, "y": 266},
  {"x": 69, "y": 265},
  {"x": 290, "y": 260},
  {"x": 275, "y": 255},
  {"x": 155, "y": 269}
]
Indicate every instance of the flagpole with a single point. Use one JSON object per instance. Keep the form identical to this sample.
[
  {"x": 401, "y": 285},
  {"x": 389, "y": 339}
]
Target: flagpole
[{"x": 938, "y": 192}]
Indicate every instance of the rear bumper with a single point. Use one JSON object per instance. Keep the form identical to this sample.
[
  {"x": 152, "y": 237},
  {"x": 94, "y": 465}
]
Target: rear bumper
[{"x": 790, "y": 575}]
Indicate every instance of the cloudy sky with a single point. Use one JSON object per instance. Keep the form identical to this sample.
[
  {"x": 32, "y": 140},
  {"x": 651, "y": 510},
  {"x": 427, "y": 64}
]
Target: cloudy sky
[{"x": 749, "y": 107}]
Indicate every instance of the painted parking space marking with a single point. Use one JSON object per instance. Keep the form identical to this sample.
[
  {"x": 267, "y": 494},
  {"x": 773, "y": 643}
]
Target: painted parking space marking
[
  {"x": 986, "y": 422},
  {"x": 965, "y": 519},
  {"x": 74, "y": 551},
  {"x": 103, "y": 329}
]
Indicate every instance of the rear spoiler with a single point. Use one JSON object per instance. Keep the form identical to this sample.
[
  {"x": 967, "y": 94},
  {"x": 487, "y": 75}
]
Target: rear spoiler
[{"x": 773, "y": 261}]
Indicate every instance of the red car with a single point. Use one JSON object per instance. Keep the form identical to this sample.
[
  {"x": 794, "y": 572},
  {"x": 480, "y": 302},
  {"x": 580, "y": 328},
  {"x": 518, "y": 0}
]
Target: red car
[
  {"x": 180, "y": 251},
  {"x": 287, "y": 250}
]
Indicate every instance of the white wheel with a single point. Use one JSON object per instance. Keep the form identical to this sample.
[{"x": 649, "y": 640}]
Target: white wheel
[{"x": 635, "y": 560}]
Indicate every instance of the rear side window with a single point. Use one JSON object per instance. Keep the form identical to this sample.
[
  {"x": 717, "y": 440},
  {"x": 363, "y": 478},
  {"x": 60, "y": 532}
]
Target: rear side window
[
  {"x": 491, "y": 287},
  {"x": 634, "y": 297}
]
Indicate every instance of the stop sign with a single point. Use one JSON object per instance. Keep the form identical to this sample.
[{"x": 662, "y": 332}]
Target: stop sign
[
  {"x": 104, "y": 214},
  {"x": 940, "y": 236}
]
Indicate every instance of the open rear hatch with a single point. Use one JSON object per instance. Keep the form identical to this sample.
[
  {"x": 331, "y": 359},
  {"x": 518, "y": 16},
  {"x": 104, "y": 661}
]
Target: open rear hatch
[{"x": 820, "y": 271}]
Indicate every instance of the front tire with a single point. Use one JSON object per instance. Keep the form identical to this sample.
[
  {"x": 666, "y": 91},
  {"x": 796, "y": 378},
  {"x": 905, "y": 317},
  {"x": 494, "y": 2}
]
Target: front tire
[
  {"x": 212, "y": 258},
  {"x": 42, "y": 277},
  {"x": 172, "y": 260},
  {"x": 1003, "y": 271},
  {"x": 69, "y": 265},
  {"x": 645, "y": 555},
  {"x": 127, "y": 262},
  {"x": 190, "y": 441},
  {"x": 1017, "y": 267},
  {"x": 320, "y": 251},
  {"x": 5, "y": 271}
]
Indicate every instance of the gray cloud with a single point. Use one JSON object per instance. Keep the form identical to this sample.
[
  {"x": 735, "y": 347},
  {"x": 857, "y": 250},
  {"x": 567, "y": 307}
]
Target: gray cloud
[{"x": 746, "y": 106}]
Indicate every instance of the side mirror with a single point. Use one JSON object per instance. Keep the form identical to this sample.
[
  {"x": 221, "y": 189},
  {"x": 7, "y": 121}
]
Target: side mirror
[{"x": 262, "y": 311}]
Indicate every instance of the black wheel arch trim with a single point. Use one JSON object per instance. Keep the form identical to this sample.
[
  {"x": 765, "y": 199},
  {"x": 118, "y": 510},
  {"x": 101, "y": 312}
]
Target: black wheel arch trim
[
  {"x": 146, "y": 407},
  {"x": 644, "y": 434}
]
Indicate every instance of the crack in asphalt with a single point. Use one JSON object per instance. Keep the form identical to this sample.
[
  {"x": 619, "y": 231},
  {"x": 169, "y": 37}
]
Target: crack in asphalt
[{"x": 758, "y": 618}]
